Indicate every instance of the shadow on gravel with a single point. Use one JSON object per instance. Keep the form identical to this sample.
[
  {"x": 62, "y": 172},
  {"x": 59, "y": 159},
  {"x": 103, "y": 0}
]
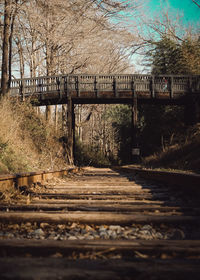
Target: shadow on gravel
[{"x": 183, "y": 211}]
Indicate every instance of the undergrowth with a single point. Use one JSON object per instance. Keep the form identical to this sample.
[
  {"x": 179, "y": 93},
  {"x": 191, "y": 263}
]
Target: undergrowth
[
  {"x": 9, "y": 194},
  {"x": 182, "y": 156},
  {"x": 86, "y": 155}
]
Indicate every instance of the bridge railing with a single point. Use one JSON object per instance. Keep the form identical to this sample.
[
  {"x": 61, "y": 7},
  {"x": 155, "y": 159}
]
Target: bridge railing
[{"x": 97, "y": 84}]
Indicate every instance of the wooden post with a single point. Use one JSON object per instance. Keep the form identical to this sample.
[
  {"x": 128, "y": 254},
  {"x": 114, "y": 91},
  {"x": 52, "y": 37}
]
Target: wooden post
[
  {"x": 77, "y": 86},
  {"x": 135, "y": 149},
  {"x": 115, "y": 87},
  {"x": 80, "y": 130},
  {"x": 70, "y": 128},
  {"x": 152, "y": 87},
  {"x": 96, "y": 87}
]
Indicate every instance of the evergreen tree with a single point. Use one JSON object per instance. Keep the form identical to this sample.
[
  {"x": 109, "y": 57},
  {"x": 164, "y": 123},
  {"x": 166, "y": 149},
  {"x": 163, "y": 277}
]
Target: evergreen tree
[
  {"x": 191, "y": 55},
  {"x": 167, "y": 58},
  {"x": 160, "y": 123}
]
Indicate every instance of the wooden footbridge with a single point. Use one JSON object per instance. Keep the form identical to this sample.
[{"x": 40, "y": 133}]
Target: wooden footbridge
[{"x": 108, "y": 89}]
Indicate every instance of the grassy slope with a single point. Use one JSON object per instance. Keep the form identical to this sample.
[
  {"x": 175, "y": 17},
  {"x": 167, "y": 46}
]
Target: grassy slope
[
  {"x": 27, "y": 142},
  {"x": 185, "y": 156}
]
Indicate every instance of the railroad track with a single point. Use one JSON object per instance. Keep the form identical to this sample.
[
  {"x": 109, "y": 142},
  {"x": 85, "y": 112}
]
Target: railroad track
[{"x": 100, "y": 224}]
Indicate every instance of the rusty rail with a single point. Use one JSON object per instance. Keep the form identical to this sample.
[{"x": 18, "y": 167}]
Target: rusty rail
[
  {"x": 157, "y": 236},
  {"x": 185, "y": 182},
  {"x": 28, "y": 178}
]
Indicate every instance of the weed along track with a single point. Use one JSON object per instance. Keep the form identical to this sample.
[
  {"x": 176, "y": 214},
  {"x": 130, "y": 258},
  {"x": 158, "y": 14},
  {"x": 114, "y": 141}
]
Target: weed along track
[{"x": 101, "y": 224}]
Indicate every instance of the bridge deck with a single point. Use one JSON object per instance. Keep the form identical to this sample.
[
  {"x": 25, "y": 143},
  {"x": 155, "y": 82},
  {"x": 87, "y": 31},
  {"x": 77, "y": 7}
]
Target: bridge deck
[{"x": 106, "y": 88}]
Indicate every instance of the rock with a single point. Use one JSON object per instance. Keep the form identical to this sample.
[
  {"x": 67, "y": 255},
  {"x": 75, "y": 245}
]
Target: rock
[
  {"x": 57, "y": 237},
  {"x": 112, "y": 234},
  {"x": 103, "y": 234},
  {"x": 102, "y": 228},
  {"x": 83, "y": 231},
  {"x": 9, "y": 235},
  {"x": 125, "y": 236},
  {"x": 144, "y": 236},
  {"x": 129, "y": 231},
  {"x": 38, "y": 232},
  {"x": 42, "y": 237},
  {"x": 73, "y": 225},
  {"x": 146, "y": 227},
  {"x": 116, "y": 228},
  {"x": 62, "y": 227},
  {"x": 89, "y": 228},
  {"x": 73, "y": 232},
  {"x": 132, "y": 237},
  {"x": 145, "y": 232},
  {"x": 44, "y": 225},
  {"x": 177, "y": 234},
  {"x": 29, "y": 236},
  {"x": 159, "y": 235},
  {"x": 72, "y": 238},
  {"x": 16, "y": 227},
  {"x": 52, "y": 236},
  {"x": 28, "y": 225},
  {"x": 96, "y": 236},
  {"x": 57, "y": 255},
  {"x": 81, "y": 237},
  {"x": 89, "y": 237}
]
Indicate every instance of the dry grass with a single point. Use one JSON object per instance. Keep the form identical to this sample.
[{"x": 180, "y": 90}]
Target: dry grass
[
  {"x": 185, "y": 156},
  {"x": 15, "y": 148},
  {"x": 27, "y": 141},
  {"x": 9, "y": 194}
]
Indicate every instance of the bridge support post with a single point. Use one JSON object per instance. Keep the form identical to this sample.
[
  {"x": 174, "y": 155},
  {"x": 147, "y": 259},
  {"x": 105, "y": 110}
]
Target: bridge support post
[
  {"x": 192, "y": 111},
  {"x": 70, "y": 129},
  {"x": 135, "y": 147}
]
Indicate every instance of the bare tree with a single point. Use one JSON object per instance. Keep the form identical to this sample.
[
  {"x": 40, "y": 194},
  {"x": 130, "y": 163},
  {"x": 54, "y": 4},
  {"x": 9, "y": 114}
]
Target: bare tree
[
  {"x": 5, "y": 51},
  {"x": 195, "y": 2}
]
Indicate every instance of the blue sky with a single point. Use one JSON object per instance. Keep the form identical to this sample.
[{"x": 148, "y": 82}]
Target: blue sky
[
  {"x": 190, "y": 16},
  {"x": 191, "y": 13}
]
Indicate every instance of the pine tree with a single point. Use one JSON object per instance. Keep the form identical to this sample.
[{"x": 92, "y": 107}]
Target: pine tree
[{"x": 167, "y": 58}]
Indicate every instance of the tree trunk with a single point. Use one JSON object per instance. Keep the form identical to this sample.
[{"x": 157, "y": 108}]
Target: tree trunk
[
  {"x": 48, "y": 113},
  {"x": 5, "y": 53},
  {"x": 21, "y": 57},
  {"x": 56, "y": 117},
  {"x": 64, "y": 118},
  {"x": 12, "y": 18}
]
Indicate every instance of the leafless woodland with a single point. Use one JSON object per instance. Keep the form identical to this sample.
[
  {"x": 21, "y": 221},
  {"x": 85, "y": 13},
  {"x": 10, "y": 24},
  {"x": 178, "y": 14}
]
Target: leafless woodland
[{"x": 51, "y": 37}]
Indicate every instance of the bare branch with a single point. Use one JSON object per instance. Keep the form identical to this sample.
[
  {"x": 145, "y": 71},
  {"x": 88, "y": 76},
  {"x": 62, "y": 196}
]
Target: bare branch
[{"x": 195, "y": 2}]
